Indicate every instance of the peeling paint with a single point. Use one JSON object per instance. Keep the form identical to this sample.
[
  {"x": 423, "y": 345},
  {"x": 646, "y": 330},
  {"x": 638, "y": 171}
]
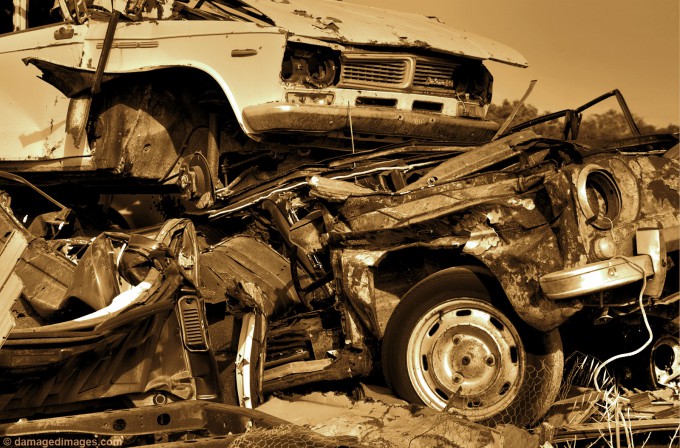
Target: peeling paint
[
  {"x": 303, "y": 13},
  {"x": 495, "y": 217},
  {"x": 526, "y": 203},
  {"x": 481, "y": 241}
]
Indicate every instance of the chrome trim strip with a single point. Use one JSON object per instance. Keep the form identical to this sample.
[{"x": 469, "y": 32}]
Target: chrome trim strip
[{"x": 243, "y": 361}]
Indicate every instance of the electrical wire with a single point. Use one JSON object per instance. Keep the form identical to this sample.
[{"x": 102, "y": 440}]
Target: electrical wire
[{"x": 644, "y": 318}]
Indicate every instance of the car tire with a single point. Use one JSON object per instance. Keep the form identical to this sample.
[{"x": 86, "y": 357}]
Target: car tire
[{"x": 451, "y": 345}]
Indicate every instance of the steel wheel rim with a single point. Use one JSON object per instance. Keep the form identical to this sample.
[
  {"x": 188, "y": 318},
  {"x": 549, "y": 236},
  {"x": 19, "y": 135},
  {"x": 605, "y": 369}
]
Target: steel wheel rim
[{"x": 465, "y": 355}]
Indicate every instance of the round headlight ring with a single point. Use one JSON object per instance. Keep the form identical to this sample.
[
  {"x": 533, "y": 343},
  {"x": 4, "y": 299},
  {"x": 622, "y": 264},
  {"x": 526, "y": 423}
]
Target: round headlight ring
[{"x": 599, "y": 197}]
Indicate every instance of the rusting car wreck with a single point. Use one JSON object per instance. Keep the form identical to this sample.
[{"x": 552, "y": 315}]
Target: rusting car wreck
[
  {"x": 448, "y": 268},
  {"x": 353, "y": 214},
  {"x": 160, "y": 92}
]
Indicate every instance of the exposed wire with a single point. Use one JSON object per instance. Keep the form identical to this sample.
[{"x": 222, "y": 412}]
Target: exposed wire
[
  {"x": 228, "y": 210},
  {"x": 255, "y": 201},
  {"x": 644, "y": 318},
  {"x": 185, "y": 145},
  {"x": 614, "y": 402},
  {"x": 404, "y": 168},
  {"x": 673, "y": 437}
]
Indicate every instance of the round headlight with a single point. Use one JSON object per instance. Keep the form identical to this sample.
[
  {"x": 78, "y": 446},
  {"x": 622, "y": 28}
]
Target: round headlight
[
  {"x": 321, "y": 72},
  {"x": 599, "y": 197}
]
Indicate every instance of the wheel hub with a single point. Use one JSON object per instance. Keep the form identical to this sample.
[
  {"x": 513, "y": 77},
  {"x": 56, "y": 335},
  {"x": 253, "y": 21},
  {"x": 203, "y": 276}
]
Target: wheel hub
[{"x": 474, "y": 360}]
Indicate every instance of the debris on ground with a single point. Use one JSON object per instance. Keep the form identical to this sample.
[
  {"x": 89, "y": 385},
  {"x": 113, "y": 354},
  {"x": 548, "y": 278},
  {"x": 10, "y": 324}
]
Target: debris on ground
[
  {"x": 613, "y": 415},
  {"x": 381, "y": 421}
]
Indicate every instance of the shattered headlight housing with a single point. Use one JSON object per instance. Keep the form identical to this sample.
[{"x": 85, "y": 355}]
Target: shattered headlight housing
[{"x": 310, "y": 67}]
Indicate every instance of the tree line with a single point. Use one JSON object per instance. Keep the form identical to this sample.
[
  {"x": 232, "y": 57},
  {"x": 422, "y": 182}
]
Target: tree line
[{"x": 608, "y": 125}]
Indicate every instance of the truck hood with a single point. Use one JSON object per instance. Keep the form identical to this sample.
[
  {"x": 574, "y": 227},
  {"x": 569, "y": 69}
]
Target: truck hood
[{"x": 347, "y": 23}]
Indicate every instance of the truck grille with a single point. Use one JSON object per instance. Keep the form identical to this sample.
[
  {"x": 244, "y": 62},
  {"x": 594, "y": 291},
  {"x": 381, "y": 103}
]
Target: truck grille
[
  {"x": 379, "y": 72},
  {"x": 397, "y": 72}
]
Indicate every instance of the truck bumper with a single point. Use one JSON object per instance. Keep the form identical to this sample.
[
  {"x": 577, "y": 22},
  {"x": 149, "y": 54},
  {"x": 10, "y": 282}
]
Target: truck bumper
[{"x": 290, "y": 117}]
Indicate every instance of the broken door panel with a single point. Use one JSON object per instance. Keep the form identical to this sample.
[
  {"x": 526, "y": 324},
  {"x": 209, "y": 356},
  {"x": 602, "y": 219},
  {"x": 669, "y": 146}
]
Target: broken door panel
[{"x": 10, "y": 283}]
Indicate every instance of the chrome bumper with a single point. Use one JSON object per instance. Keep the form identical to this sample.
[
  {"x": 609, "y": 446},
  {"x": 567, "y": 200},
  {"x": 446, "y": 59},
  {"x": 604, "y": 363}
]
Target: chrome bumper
[
  {"x": 289, "y": 117},
  {"x": 652, "y": 246}
]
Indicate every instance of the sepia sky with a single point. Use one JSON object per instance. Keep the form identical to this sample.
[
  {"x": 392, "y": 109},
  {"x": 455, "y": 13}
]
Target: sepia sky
[{"x": 576, "y": 50}]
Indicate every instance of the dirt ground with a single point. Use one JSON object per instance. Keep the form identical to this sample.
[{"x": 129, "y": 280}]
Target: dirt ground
[{"x": 384, "y": 421}]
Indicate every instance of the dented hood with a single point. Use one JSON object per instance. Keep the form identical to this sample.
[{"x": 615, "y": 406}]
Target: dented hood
[{"x": 356, "y": 24}]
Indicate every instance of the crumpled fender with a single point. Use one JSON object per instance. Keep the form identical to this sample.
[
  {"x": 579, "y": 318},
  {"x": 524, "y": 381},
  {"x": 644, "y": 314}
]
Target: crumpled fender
[{"x": 518, "y": 266}]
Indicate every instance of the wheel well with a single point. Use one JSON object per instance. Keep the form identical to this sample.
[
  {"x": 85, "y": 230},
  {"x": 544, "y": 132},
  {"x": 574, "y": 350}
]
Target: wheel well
[
  {"x": 402, "y": 269},
  {"x": 176, "y": 77},
  {"x": 141, "y": 124}
]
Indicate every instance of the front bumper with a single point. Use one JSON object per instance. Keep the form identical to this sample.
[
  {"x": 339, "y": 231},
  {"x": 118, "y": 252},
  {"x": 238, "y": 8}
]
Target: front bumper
[
  {"x": 652, "y": 247},
  {"x": 596, "y": 277},
  {"x": 290, "y": 117}
]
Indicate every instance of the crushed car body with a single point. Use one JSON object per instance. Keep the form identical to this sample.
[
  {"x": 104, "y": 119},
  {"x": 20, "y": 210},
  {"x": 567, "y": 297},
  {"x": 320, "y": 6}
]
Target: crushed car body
[{"x": 450, "y": 269}]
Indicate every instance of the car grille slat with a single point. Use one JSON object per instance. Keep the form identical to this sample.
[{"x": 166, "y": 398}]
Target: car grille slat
[
  {"x": 374, "y": 72},
  {"x": 191, "y": 319},
  {"x": 401, "y": 72},
  {"x": 358, "y": 74}
]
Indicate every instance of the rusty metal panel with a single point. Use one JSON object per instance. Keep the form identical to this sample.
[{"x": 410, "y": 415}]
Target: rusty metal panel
[
  {"x": 425, "y": 204},
  {"x": 475, "y": 160},
  {"x": 356, "y": 278},
  {"x": 517, "y": 264},
  {"x": 46, "y": 276},
  {"x": 45, "y": 273},
  {"x": 243, "y": 260}
]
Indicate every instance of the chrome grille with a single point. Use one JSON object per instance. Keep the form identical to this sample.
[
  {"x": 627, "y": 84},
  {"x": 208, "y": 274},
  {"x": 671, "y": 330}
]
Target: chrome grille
[
  {"x": 374, "y": 72},
  {"x": 432, "y": 73},
  {"x": 397, "y": 72}
]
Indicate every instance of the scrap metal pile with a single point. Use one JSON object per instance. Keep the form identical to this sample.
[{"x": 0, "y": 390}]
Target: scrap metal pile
[
  {"x": 335, "y": 207},
  {"x": 449, "y": 268},
  {"x": 610, "y": 413}
]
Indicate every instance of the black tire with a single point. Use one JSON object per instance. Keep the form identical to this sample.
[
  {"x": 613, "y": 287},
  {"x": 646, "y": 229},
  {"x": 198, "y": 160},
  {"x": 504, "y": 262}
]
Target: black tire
[
  {"x": 664, "y": 361},
  {"x": 501, "y": 370}
]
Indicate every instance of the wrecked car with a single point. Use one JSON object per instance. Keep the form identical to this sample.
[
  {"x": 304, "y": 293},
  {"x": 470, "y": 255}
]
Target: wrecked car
[
  {"x": 179, "y": 92},
  {"x": 450, "y": 269}
]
